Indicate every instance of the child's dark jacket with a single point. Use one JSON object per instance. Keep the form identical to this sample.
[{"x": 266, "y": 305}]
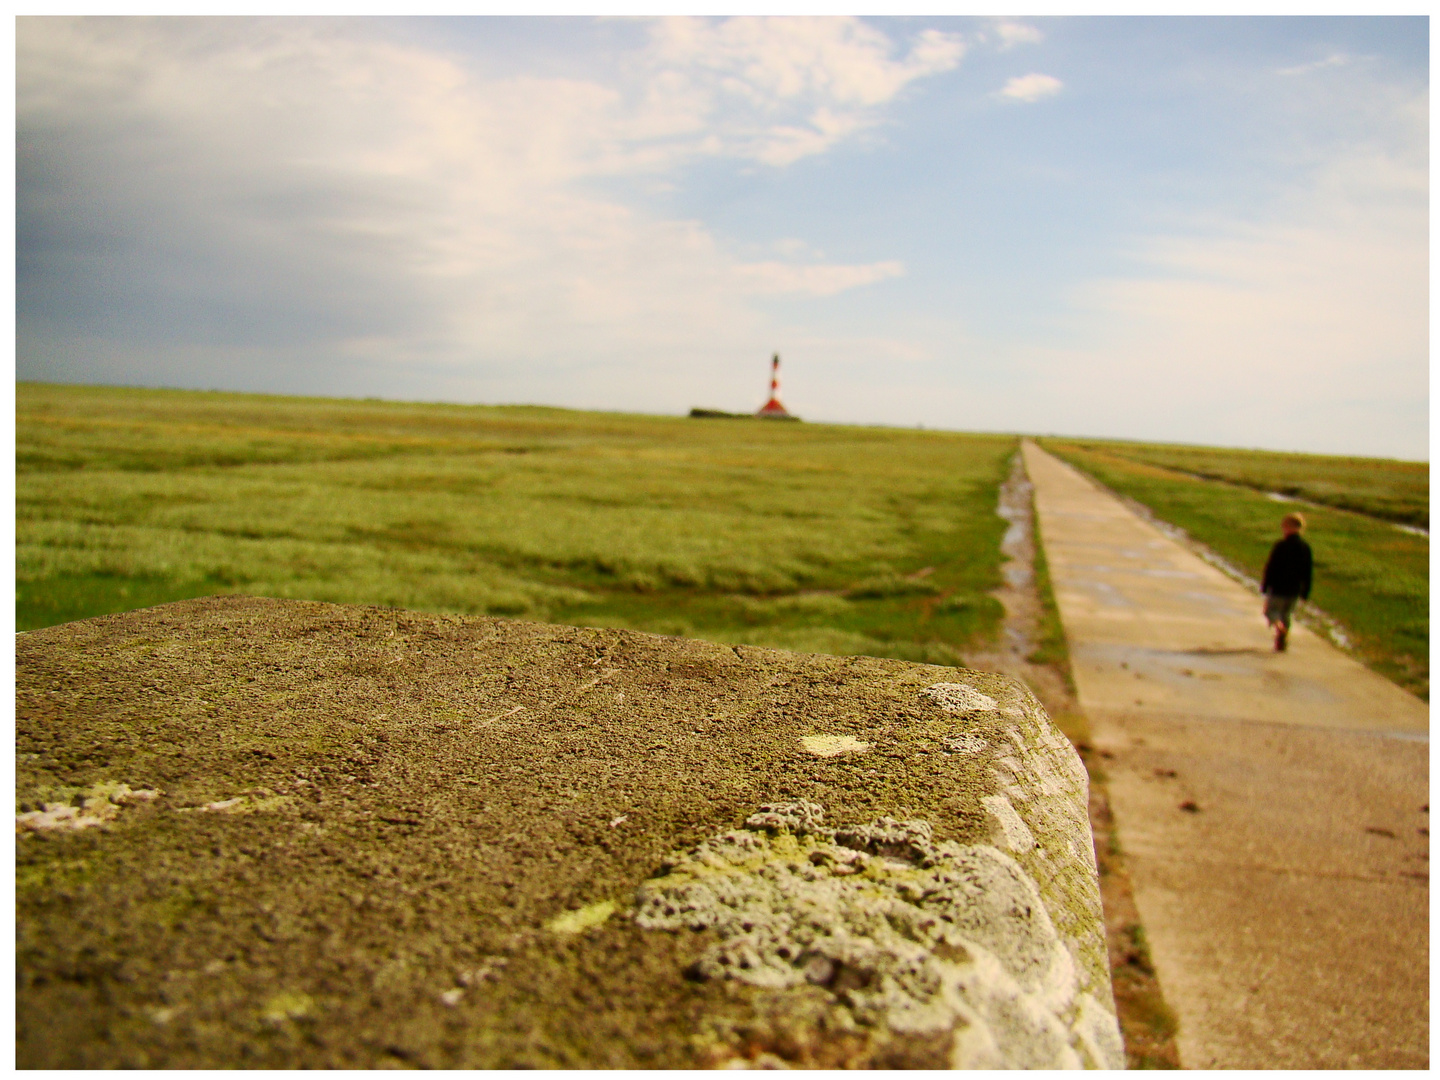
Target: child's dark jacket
[{"x": 1289, "y": 569}]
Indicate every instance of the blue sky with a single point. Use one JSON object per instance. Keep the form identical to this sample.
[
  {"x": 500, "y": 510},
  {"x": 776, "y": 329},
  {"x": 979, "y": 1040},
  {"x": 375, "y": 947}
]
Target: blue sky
[{"x": 1195, "y": 230}]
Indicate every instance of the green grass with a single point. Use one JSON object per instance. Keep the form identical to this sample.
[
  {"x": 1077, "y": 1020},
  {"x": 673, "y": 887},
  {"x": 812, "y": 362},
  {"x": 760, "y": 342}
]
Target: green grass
[
  {"x": 1371, "y": 576},
  {"x": 1050, "y": 646},
  {"x": 802, "y": 536},
  {"x": 1396, "y": 491}
]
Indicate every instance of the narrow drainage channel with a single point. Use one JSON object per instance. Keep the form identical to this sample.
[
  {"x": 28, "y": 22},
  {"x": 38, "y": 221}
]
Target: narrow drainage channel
[
  {"x": 1021, "y": 629},
  {"x": 1146, "y": 1022}
]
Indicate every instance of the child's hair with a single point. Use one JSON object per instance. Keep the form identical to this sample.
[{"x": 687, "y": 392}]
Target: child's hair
[{"x": 1292, "y": 519}]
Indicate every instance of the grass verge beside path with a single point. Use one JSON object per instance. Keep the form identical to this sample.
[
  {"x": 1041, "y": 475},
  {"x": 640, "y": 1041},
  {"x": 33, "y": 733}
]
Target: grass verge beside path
[
  {"x": 1370, "y": 576},
  {"x": 803, "y": 536},
  {"x": 1397, "y": 491},
  {"x": 1050, "y": 644}
]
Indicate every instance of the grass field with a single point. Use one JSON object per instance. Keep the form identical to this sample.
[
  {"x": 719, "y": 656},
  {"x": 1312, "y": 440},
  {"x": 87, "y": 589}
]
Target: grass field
[
  {"x": 1396, "y": 491},
  {"x": 1369, "y": 575},
  {"x": 809, "y": 537}
]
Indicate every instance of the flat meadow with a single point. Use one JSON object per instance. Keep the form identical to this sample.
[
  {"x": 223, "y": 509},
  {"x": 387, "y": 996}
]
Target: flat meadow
[
  {"x": 1396, "y": 491},
  {"x": 1372, "y": 568},
  {"x": 810, "y": 537}
]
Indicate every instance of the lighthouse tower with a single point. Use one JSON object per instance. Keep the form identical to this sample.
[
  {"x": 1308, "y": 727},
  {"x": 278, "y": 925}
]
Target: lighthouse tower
[{"x": 772, "y": 409}]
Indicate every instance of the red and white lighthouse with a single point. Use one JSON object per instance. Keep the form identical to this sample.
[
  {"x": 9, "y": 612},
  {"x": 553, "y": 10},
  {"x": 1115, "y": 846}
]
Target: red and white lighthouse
[{"x": 772, "y": 409}]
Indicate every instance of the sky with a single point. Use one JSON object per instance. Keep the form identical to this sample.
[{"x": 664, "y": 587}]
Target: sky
[{"x": 1198, "y": 230}]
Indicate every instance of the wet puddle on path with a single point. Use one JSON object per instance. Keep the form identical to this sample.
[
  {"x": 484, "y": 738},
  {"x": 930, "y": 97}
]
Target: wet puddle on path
[{"x": 1020, "y": 630}]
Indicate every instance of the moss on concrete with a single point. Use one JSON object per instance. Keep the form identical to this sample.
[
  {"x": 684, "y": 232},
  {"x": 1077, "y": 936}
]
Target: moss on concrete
[{"x": 388, "y": 838}]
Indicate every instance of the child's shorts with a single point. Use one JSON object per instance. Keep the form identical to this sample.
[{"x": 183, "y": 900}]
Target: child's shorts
[{"x": 1278, "y": 608}]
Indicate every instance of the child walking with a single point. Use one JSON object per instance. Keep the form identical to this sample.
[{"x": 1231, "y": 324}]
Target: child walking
[{"x": 1287, "y": 577}]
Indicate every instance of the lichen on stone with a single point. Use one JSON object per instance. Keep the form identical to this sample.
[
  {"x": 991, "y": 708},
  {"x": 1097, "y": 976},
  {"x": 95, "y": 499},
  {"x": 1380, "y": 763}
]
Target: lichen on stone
[
  {"x": 261, "y": 801},
  {"x": 575, "y": 922},
  {"x": 287, "y": 1005},
  {"x": 907, "y": 937},
  {"x": 833, "y": 745},
  {"x": 71, "y": 808},
  {"x": 965, "y": 744},
  {"x": 959, "y": 698}
]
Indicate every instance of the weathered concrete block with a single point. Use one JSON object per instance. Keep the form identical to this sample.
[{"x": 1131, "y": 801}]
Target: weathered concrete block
[{"x": 273, "y": 833}]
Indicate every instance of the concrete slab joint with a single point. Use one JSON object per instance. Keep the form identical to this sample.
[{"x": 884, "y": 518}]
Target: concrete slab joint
[{"x": 725, "y": 857}]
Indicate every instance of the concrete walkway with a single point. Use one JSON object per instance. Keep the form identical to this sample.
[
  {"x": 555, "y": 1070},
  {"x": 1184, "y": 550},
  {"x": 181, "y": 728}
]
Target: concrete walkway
[{"x": 1273, "y": 808}]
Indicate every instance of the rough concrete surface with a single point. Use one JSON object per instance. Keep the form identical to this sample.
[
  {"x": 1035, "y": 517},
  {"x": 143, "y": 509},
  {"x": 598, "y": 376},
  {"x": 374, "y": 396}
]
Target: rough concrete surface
[
  {"x": 282, "y": 834},
  {"x": 1273, "y": 808}
]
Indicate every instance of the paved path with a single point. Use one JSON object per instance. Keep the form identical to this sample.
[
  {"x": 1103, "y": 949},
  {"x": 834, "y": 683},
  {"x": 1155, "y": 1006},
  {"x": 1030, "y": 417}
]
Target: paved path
[{"x": 1288, "y": 912}]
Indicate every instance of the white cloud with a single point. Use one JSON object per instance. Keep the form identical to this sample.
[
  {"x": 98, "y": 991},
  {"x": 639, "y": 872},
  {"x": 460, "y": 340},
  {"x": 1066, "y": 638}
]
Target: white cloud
[
  {"x": 795, "y": 248},
  {"x": 1333, "y": 60},
  {"x": 321, "y": 187},
  {"x": 773, "y": 60},
  {"x": 1012, "y": 34},
  {"x": 777, "y": 277},
  {"x": 1031, "y": 87},
  {"x": 779, "y": 89},
  {"x": 1307, "y": 331},
  {"x": 322, "y": 207}
]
